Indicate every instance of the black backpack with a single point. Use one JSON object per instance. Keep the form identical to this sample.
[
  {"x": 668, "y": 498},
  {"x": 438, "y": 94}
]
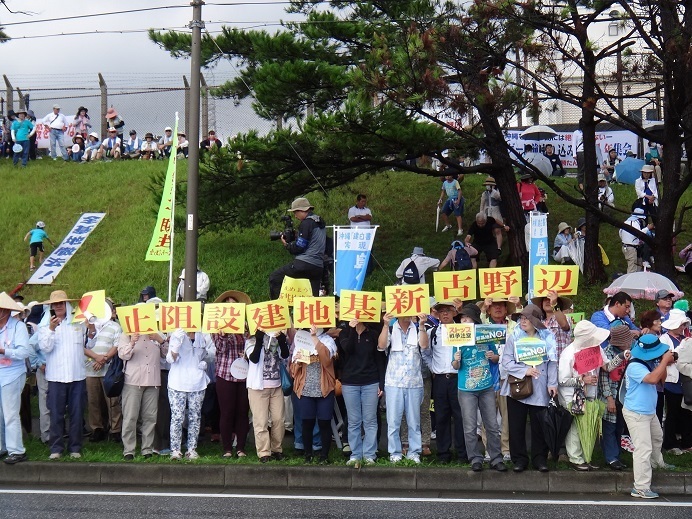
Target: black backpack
[
  {"x": 411, "y": 275},
  {"x": 114, "y": 379},
  {"x": 462, "y": 260}
]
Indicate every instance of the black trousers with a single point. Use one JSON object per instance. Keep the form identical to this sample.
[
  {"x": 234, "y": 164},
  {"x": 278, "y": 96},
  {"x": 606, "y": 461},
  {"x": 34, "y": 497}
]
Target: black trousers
[
  {"x": 297, "y": 270},
  {"x": 517, "y": 413},
  {"x": 447, "y": 407},
  {"x": 677, "y": 420}
]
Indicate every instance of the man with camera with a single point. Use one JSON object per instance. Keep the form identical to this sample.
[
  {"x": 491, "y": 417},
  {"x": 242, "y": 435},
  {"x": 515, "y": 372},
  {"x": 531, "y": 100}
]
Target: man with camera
[{"x": 307, "y": 247}]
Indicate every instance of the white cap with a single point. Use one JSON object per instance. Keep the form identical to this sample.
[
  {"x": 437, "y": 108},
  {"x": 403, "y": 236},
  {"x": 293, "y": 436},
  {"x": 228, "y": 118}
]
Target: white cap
[
  {"x": 40, "y": 224},
  {"x": 168, "y": 129}
]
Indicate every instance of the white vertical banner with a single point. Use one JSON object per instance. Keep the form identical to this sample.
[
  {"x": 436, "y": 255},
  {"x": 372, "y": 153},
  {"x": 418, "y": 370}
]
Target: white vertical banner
[{"x": 46, "y": 273}]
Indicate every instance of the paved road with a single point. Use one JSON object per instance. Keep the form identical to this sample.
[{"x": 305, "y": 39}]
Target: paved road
[{"x": 77, "y": 504}]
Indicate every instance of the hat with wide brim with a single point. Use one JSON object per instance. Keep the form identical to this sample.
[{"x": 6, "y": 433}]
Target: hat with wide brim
[
  {"x": 86, "y": 110},
  {"x": 300, "y": 204},
  {"x": 564, "y": 302},
  {"x": 489, "y": 181},
  {"x": 562, "y": 226},
  {"x": 21, "y": 111},
  {"x": 676, "y": 319},
  {"x": 511, "y": 307},
  {"x": 8, "y": 303},
  {"x": 57, "y": 296},
  {"x": 587, "y": 334},
  {"x": 525, "y": 176},
  {"x": 440, "y": 304},
  {"x": 474, "y": 315},
  {"x": 534, "y": 314},
  {"x": 648, "y": 347},
  {"x": 78, "y": 136},
  {"x": 94, "y": 135},
  {"x": 111, "y": 113},
  {"x": 241, "y": 297},
  {"x": 647, "y": 169}
]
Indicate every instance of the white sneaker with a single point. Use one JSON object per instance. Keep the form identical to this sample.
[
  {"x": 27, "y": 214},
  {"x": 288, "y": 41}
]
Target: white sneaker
[
  {"x": 507, "y": 458},
  {"x": 55, "y": 456},
  {"x": 446, "y": 228},
  {"x": 75, "y": 455},
  {"x": 433, "y": 435},
  {"x": 486, "y": 458},
  {"x": 414, "y": 458},
  {"x": 460, "y": 232},
  {"x": 176, "y": 455},
  {"x": 646, "y": 264},
  {"x": 369, "y": 461},
  {"x": 192, "y": 455},
  {"x": 675, "y": 451},
  {"x": 394, "y": 459}
]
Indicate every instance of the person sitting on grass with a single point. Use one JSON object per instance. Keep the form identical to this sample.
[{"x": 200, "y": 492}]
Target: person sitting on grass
[
  {"x": 76, "y": 152},
  {"x": 36, "y": 243},
  {"x": 91, "y": 147},
  {"x": 110, "y": 147},
  {"x": 149, "y": 149}
]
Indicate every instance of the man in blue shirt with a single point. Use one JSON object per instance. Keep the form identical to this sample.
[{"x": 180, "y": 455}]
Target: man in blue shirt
[
  {"x": 22, "y": 130},
  {"x": 650, "y": 358},
  {"x": 617, "y": 309}
]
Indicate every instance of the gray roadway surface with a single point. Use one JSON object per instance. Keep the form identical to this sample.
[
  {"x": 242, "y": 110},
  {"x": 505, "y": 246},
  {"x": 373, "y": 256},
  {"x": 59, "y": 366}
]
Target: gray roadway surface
[{"x": 105, "y": 504}]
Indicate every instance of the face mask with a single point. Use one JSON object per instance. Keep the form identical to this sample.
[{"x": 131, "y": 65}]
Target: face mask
[{"x": 488, "y": 188}]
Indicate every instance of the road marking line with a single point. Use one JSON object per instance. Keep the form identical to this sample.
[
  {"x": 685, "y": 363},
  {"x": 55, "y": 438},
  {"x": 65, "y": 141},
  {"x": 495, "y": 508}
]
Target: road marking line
[{"x": 352, "y": 498}]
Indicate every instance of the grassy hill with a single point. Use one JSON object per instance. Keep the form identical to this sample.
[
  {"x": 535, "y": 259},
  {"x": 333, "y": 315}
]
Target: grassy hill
[{"x": 403, "y": 204}]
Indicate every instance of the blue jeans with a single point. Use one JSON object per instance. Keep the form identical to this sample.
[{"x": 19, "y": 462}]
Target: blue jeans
[
  {"x": 400, "y": 400},
  {"x": 298, "y": 428},
  {"x": 484, "y": 401},
  {"x": 77, "y": 157},
  {"x": 361, "y": 406},
  {"x": 24, "y": 154},
  {"x": 610, "y": 441},
  {"x": 58, "y": 136},
  {"x": 10, "y": 424},
  {"x": 70, "y": 396}
]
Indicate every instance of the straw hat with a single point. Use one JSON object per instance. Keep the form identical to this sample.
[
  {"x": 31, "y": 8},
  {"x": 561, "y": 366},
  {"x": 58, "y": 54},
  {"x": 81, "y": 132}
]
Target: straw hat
[
  {"x": 562, "y": 226},
  {"x": 511, "y": 307},
  {"x": 241, "y": 297},
  {"x": 587, "y": 334},
  {"x": 7, "y": 303},
  {"x": 57, "y": 296},
  {"x": 564, "y": 302},
  {"x": 489, "y": 181}
]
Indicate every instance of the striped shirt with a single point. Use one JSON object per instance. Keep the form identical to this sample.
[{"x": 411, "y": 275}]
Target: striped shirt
[
  {"x": 64, "y": 349},
  {"x": 105, "y": 339}
]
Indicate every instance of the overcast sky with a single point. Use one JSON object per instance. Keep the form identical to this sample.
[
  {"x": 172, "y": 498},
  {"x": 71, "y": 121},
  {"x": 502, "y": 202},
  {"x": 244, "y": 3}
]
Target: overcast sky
[{"x": 26, "y": 54}]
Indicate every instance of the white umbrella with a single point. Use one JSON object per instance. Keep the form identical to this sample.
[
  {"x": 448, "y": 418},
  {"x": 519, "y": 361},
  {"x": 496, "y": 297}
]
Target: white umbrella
[
  {"x": 540, "y": 162},
  {"x": 437, "y": 219},
  {"x": 538, "y": 132},
  {"x": 643, "y": 285}
]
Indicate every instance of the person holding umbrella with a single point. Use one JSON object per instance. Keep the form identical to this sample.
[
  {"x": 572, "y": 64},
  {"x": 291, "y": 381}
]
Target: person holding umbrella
[
  {"x": 577, "y": 382},
  {"x": 648, "y": 368}
]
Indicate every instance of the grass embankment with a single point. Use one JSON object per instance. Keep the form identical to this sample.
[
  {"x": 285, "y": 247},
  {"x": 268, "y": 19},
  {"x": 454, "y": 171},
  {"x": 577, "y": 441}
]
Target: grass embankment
[
  {"x": 403, "y": 204},
  {"x": 112, "y": 258}
]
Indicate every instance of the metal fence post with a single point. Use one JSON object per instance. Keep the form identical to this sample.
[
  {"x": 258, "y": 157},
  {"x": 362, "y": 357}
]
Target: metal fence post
[
  {"x": 10, "y": 94},
  {"x": 187, "y": 107},
  {"x": 104, "y": 104},
  {"x": 22, "y": 104},
  {"x": 205, "y": 106}
]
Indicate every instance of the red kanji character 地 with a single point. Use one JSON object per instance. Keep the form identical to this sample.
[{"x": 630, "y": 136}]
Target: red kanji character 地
[{"x": 314, "y": 312}]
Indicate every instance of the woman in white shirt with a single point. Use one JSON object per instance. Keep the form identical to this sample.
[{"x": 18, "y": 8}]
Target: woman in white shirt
[{"x": 187, "y": 382}]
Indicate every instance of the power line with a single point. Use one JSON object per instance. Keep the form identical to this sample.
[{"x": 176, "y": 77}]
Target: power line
[{"x": 84, "y": 33}]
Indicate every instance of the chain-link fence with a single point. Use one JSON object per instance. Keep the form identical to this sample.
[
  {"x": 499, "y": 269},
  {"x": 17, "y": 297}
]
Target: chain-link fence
[{"x": 146, "y": 102}]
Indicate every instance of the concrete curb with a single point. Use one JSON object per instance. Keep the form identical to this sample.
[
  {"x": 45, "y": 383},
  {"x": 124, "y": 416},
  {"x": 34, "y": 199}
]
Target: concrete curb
[{"x": 229, "y": 477}]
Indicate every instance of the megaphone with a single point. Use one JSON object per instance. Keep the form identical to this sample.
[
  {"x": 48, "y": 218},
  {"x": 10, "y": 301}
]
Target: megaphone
[{"x": 90, "y": 318}]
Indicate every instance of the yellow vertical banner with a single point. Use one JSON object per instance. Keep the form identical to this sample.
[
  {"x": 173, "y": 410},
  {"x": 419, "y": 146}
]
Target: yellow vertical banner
[
  {"x": 93, "y": 303},
  {"x": 268, "y": 316},
  {"x": 499, "y": 282},
  {"x": 160, "y": 245},
  {"x": 563, "y": 279},
  {"x": 292, "y": 288},
  {"x": 224, "y": 317},
  {"x": 317, "y": 311},
  {"x": 364, "y": 306},
  {"x": 457, "y": 284},
  {"x": 186, "y": 315},
  {"x": 138, "y": 318},
  {"x": 407, "y": 300}
]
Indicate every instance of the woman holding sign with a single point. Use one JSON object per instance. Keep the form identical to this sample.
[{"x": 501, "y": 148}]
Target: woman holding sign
[
  {"x": 231, "y": 389},
  {"x": 580, "y": 364},
  {"x": 312, "y": 368},
  {"x": 530, "y": 361}
]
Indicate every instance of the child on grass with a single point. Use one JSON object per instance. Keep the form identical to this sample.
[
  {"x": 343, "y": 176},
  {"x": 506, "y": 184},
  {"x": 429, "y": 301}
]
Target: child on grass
[{"x": 37, "y": 236}]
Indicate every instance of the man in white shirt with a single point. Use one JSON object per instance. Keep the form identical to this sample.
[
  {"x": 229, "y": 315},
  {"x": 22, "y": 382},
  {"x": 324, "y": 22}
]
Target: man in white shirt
[
  {"x": 64, "y": 344},
  {"x": 360, "y": 215},
  {"x": 630, "y": 243},
  {"x": 110, "y": 147},
  {"x": 203, "y": 284},
  {"x": 422, "y": 263},
  {"x": 166, "y": 142},
  {"x": 57, "y": 124}
]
